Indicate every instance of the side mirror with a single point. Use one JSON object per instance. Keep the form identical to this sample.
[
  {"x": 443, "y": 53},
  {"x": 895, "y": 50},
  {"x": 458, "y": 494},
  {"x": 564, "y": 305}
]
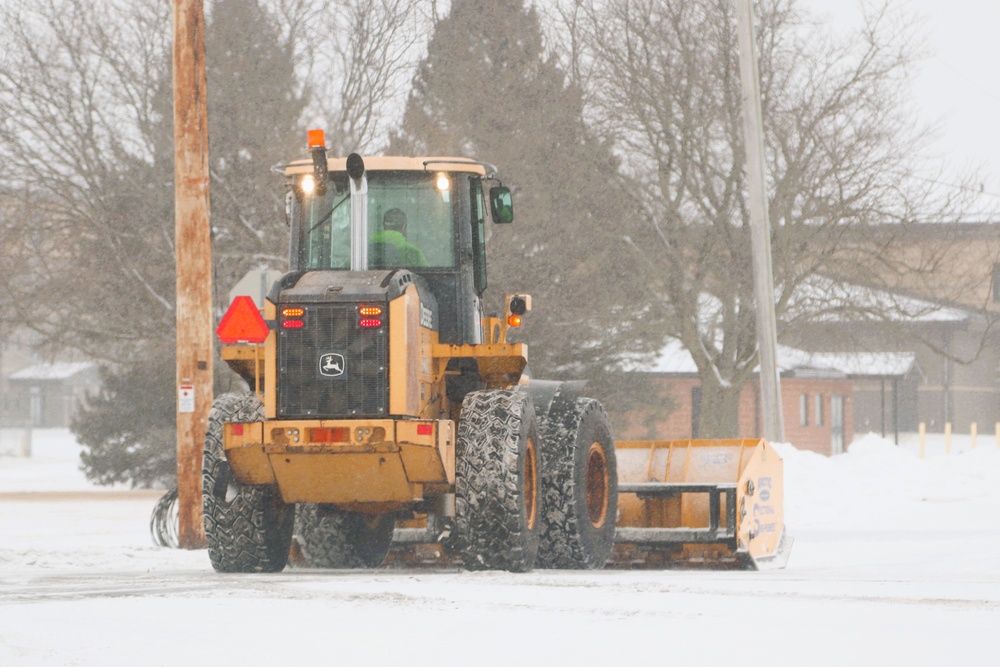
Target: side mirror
[{"x": 501, "y": 204}]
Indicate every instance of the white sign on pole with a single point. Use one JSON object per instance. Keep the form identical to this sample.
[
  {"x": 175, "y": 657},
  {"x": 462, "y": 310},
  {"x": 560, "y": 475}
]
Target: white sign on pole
[{"x": 185, "y": 398}]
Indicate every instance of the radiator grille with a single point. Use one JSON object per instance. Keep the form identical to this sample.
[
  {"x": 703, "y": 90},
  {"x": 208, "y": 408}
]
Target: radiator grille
[{"x": 331, "y": 368}]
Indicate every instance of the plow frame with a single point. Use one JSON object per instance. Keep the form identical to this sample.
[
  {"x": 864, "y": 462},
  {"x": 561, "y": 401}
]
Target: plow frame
[{"x": 720, "y": 530}]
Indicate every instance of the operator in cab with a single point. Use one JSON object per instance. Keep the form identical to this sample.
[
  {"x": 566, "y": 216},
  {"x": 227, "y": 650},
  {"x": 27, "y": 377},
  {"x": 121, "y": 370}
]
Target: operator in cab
[{"x": 392, "y": 243}]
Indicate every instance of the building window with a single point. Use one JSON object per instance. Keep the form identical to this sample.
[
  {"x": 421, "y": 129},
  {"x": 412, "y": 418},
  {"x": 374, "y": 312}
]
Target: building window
[
  {"x": 819, "y": 409},
  {"x": 695, "y": 410},
  {"x": 803, "y": 409}
]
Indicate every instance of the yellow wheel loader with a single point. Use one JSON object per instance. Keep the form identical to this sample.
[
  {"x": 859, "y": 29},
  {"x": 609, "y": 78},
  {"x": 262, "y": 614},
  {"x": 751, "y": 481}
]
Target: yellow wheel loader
[{"x": 387, "y": 412}]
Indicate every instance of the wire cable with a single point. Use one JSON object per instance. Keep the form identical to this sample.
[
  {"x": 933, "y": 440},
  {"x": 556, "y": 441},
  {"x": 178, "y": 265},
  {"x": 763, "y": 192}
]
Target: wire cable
[{"x": 164, "y": 524}]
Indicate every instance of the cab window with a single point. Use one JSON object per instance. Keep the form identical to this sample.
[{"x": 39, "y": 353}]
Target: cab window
[{"x": 410, "y": 222}]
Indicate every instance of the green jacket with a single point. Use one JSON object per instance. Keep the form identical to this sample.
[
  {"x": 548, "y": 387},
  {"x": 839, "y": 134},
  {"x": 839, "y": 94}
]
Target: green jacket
[{"x": 409, "y": 255}]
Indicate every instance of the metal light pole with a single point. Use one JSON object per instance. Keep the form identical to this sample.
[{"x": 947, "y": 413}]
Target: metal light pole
[
  {"x": 194, "y": 264},
  {"x": 760, "y": 236}
]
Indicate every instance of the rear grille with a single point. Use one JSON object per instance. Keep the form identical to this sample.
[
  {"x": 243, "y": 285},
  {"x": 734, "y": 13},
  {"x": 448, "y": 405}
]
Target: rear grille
[{"x": 331, "y": 368}]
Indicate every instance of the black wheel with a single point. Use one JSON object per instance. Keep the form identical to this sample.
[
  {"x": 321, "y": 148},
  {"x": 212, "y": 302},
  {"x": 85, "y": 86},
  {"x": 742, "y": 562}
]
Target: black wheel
[
  {"x": 248, "y": 528},
  {"x": 579, "y": 487},
  {"x": 496, "y": 481},
  {"x": 337, "y": 539}
]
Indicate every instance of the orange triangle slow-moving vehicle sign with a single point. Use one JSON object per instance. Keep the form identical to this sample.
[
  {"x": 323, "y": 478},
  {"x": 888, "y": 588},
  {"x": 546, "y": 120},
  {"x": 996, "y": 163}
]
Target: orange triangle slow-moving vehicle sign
[{"x": 242, "y": 323}]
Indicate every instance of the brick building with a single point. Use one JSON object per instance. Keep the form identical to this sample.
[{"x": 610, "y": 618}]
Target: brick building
[{"x": 819, "y": 397}]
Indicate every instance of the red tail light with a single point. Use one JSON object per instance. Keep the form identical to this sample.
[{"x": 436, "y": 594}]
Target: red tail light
[{"x": 340, "y": 434}]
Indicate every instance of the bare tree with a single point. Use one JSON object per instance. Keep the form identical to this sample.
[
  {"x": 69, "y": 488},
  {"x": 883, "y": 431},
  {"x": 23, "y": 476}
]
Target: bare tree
[
  {"x": 85, "y": 142},
  {"x": 842, "y": 154},
  {"x": 77, "y": 89},
  {"x": 362, "y": 61}
]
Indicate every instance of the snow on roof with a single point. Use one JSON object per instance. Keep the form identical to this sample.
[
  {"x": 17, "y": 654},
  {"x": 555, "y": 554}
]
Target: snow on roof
[
  {"x": 674, "y": 359},
  {"x": 825, "y": 300},
  {"x": 865, "y": 363},
  {"x": 57, "y": 371}
]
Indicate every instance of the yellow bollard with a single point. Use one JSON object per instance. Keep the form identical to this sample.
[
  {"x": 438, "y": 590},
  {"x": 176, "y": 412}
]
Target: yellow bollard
[
  {"x": 923, "y": 436},
  {"x": 947, "y": 438},
  {"x": 972, "y": 433}
]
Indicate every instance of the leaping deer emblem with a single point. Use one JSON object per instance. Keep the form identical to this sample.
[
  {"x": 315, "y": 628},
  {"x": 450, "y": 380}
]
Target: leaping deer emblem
[{"x": 331, "y": 364}]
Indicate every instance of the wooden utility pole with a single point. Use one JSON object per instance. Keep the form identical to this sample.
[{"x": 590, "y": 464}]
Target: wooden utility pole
[
  {"x": 194, "y": 264},
  {"x": 760, "y": 227}
]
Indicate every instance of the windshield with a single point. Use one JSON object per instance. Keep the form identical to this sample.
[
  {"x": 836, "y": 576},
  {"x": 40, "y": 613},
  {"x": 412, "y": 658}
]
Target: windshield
[{"x": 410, "y": 222}]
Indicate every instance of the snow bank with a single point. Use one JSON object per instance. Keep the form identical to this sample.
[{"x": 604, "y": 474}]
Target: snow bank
[{"x": 879, "y": 485}]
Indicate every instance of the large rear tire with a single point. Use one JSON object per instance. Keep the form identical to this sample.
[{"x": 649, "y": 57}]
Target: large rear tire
[
  {"x": 338, "y": 539},
  {"x": 248, "y": 528},
  {"x": 496, "y": 482},
  {"x": 579, "y": 487}
]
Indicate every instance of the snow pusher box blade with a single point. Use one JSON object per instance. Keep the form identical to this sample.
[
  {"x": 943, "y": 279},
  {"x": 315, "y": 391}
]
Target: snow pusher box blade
[{"x": 708, "y": 503}]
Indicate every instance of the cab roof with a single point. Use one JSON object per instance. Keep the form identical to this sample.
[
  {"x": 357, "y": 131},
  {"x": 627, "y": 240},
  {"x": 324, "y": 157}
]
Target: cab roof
[{"x": 392, "y": 163}]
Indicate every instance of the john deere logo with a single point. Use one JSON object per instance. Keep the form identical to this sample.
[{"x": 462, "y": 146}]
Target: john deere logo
[{"x": 332, "y": 365}]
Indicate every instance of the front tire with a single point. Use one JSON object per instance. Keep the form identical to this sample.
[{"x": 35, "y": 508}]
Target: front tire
[
  {"x": 248, "y": 528},
  {"x": 579, "y": 488},
  {"x": 339, "y": 539},
  {"x": 496, "y": 481}
]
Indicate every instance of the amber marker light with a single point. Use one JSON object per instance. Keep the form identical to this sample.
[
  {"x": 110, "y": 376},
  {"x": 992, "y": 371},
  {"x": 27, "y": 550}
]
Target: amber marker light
[
  {"x": 514, "y": 320},
  {"x": 293, "y": 312},
  {"x": 370, "y": 311},
  {"x": 316, "y": 138}
]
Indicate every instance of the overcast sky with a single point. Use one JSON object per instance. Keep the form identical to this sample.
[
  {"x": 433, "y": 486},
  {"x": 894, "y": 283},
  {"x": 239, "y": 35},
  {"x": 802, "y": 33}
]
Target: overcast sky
[{"x": 958, "y": 84}]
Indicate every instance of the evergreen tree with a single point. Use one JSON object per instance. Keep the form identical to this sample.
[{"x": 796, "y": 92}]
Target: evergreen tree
[
  {"x": 487, "y": 89},
  {"x": 128, "y": 430}
]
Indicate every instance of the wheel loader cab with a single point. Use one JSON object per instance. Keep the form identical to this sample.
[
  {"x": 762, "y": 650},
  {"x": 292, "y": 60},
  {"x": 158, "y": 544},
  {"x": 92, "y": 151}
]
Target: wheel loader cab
[{"x": 424, "y": 216}]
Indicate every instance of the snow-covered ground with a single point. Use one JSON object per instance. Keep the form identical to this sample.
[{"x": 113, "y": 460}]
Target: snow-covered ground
[{"x": 896, "y": 561}]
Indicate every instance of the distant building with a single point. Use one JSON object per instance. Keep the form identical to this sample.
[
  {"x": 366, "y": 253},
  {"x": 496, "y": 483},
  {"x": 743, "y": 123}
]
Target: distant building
[
  {"x": 45, "y": 395},
  {"x": 820, "y": 395},
  {"x": 955, "y": 378},
  {"x": 956, "y": 344}
]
